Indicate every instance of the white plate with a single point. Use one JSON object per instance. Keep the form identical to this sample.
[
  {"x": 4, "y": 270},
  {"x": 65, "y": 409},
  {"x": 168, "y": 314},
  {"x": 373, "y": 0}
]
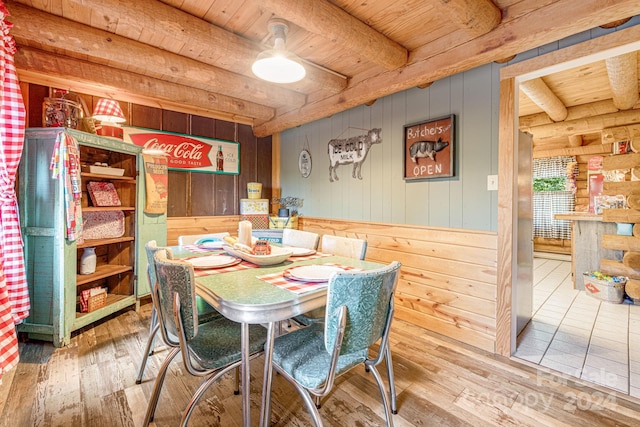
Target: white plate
[
  {"x": 213, "y": 261},
  {"x": 278, "y": 255},
  {"x": 211, "y": 244},
  {"x": 314, "y": 273},
  {"x": 300, "y": 251}
]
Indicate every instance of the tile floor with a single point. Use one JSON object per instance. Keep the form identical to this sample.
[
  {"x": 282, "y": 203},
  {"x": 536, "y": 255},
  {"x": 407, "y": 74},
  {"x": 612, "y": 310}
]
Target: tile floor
[{"x": 576, "y": 334}]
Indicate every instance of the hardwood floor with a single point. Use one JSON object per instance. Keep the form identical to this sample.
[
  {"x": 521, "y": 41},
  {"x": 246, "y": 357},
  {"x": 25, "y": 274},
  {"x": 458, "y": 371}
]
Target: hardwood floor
[{"x": 91, "y": 382}]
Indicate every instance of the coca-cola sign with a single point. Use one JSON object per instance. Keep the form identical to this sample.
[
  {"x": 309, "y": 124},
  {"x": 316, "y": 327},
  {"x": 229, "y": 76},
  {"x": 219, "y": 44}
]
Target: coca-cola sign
[{"x": 186, "y": 152}]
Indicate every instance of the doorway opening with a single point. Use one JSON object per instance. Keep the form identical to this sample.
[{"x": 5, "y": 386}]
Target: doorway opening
[{"x": 583, "y": 57}]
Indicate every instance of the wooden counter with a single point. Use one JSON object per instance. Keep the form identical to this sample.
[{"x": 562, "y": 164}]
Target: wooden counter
[{"x": 587, "y": 230}]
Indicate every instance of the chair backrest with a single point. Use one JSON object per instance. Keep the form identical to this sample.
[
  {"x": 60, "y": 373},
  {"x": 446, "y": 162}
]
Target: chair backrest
[
  {"x": 151, "y": 248},
  {"x": 175, "y": 277},
  {"x": 300, "y": 239},
  {"x": 344, "y": 246},
  {"x": 368, "y": 297},
  {"x": 196, "y": 239}
]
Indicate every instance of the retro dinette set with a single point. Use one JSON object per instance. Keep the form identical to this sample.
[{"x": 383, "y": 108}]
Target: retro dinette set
[{"x": 235, "y": 292}]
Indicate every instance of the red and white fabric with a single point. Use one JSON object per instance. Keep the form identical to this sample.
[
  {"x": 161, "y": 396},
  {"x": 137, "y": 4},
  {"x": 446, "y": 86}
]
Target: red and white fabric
[
  {"x": 14, "y": 293},
  {"x": 283, "y": 279}
]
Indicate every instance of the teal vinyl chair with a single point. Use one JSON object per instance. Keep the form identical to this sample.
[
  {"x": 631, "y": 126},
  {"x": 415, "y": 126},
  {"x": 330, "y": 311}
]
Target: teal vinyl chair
[
  {"x": 349, "y": 247},
  {"x": 151, "y": 248},
  {"x": 359, "y": 314},
  {"x": 209, "y": 349},
  {"x": 206, "y": 312}
]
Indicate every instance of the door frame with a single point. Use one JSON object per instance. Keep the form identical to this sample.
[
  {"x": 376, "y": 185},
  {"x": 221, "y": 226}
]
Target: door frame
[{"x": 595, "y": 49}]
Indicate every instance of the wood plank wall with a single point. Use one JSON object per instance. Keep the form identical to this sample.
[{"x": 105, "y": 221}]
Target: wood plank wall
[
  {"x": 448, "y": 277},
  {"x": 190, "y": 193}
]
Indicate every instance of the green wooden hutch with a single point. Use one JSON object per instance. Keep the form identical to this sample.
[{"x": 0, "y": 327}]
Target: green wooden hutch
[{"x": 52, "y": 261}]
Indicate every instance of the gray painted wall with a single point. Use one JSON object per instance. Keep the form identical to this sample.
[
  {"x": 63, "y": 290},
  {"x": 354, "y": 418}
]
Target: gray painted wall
[{"x": 382, "y": 195}]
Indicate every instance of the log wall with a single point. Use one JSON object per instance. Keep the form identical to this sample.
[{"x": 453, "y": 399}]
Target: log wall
[
  {"x": 448, "y": 278},
  {"x": 594, "y": 146}
]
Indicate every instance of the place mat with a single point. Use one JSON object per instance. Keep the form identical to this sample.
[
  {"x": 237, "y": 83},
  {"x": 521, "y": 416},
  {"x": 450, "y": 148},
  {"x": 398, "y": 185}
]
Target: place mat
[
  {"x": 308, "y": 257},
  {"x": 198, "y": 249},
  {"x": 281, "y": 280},
  {"x": 243, "y": 265}
]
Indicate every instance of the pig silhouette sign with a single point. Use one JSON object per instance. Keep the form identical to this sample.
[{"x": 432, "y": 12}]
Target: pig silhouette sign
[{"x": 429, "y": 149}]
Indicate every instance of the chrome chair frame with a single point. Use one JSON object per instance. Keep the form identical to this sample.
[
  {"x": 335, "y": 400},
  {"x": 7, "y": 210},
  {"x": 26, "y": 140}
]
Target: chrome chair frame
[
  {"x": 182, "y": 332},
  {"x": 346, "y": 349}
]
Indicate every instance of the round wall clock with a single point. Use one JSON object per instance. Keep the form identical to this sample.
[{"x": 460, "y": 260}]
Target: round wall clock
[{"x": 304, "y": 163}]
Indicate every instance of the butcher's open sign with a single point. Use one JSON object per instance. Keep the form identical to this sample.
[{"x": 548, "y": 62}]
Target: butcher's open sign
[
  {"x": 429, "y": 149},
  {"x": 187, "y": 152}
]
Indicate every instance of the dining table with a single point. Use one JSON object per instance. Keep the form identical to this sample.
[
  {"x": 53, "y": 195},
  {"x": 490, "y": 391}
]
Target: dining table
[{"x": 248, "y": 293}]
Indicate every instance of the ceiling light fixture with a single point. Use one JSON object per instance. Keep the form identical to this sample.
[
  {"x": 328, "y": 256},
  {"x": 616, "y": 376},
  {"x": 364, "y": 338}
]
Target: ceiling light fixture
[{"x": 277, "y": 65}]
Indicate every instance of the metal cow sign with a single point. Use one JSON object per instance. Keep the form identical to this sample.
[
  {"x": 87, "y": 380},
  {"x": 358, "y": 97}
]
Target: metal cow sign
[{"x": 351, "y": 150}]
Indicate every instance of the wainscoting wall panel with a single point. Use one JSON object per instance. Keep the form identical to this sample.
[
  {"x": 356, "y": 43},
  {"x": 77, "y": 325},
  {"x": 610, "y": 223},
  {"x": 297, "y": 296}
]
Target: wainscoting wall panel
[{"x": 448, "y": 277}]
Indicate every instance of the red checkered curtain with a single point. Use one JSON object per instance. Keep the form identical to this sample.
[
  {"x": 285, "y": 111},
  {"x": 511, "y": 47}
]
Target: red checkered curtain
[{"x": 14, "y": 294}]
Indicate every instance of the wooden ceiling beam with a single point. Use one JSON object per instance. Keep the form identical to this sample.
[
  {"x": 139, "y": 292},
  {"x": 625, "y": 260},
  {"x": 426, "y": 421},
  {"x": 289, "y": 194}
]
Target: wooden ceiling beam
[
  {"x": 585, "y": 125},
  {"x": 35, "y": 66},
  {"x": 47, "y": 32},
  {"x": 534, "y": 29},
  {"x": 538, "y": 91},
  {"x": 162, "y": 26},
  {"x": 623, "y": 79},
  {"x": 577, "y": 112},
  {"x": 327, "y": 20},
  {"x": 474, "y": 17}
]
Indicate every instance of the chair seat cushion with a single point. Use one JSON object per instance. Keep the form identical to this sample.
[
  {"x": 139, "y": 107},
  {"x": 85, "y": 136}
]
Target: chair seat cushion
[
  {"x": 303, "y": 356},
  {"x": 218, "y": 342}
]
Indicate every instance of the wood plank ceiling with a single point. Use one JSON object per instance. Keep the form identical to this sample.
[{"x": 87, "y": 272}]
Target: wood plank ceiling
[
  {"x": 195, "y": 56},
  {"x": 553, "y": 108}
]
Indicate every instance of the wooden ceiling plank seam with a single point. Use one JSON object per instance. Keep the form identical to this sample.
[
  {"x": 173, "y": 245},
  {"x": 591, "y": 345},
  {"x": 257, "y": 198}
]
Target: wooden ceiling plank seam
[{"x": 226, "y": 8}]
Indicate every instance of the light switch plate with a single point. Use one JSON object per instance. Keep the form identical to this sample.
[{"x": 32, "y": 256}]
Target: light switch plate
[{"x": 492, "y": 182}]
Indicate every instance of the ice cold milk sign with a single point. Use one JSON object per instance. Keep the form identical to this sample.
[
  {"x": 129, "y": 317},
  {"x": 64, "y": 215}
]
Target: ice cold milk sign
[
  {"x": 352, "y": 150},
  {"x": 428, "y": 149}
]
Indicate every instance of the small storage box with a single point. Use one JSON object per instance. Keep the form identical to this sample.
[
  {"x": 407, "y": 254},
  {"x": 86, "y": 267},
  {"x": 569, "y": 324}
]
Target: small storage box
[
  {"x": 92, "y": 299},
  {"x": 254, "y": 206},
  {"x": 283, "y": 222},
  {"x": 604, "y": 290},
  {"x": 257, "y": 221}
]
